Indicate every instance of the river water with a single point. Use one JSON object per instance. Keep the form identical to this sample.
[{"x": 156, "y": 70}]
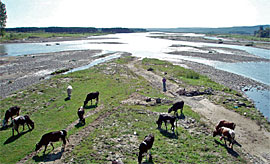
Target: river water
[{"x": 140, "y": 45}]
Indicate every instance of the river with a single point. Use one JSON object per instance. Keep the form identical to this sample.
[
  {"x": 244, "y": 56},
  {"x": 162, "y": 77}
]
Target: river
[{"x": 140, "y": 45}]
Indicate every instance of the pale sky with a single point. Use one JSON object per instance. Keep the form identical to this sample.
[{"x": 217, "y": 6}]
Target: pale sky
[{"x": 137, "y": 13}]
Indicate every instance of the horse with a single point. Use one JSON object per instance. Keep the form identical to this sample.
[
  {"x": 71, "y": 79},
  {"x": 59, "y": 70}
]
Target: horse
[
  {"x": 145, "y": 146},
  {"x": 51, "y": 137},
  {"x": 12, "y": 111},
  {"x": 176, "y": 106},
  {"x": 90, "y": 96},
  {"x": 21, "y": 120},
  {"x": 166, "y": 118},
  {"x": 80, "y": 114},
  {"x": 225, "y": 133},
  {"x": 227, "y": 124}
]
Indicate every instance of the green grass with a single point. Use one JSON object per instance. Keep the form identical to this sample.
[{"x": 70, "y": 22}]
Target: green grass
[
  {"x": 45, "y": 104},
  {"x": 19, "y": 36}
]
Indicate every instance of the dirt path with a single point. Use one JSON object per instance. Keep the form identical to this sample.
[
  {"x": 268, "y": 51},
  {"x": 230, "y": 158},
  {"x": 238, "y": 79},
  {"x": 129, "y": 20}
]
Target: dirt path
[{"x": 254, "y": 140}]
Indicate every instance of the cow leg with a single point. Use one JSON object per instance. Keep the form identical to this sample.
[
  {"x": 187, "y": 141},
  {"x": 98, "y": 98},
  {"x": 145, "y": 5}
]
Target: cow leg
[
  {"x": 23, "y": 127},
  {"x": 165, "y": 125},
  {"x": 45, "y": 149},
  {"x": 91, "y": 101},
  {"x": 52, "y": 145},
  {"x": 172, "y": 128}
]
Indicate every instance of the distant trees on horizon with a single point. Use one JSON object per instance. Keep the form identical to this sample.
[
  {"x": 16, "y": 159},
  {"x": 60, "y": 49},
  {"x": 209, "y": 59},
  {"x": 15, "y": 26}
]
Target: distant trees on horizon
[
  {"x": 263, "y": 33},
  {"x": 75, "y": 30}
]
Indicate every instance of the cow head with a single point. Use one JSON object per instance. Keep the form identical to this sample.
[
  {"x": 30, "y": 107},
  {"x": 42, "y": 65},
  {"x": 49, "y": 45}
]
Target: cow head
[
  {"x": 38, "y": 146},
  {"x": 159, "y": 123},
  {"x": 169, "y": 110}
]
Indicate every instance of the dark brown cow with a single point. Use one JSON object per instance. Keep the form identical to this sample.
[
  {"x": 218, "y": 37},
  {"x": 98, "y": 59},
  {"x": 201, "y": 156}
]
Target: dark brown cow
[
  {"x": 90, "y": 96},
  {"x": 21, "y": 120},
  {"x": 52, "y": 137},
  {"x": 145, "y": 146},
  {"x": 166, "y": 118},
  {"x": 225, "y": 133},
  {"x": 224, "y": 123},
  {"x": 176, "y": 106},
  {"x": 12, "y": 111},
  {"x": 80, "y": 114}
]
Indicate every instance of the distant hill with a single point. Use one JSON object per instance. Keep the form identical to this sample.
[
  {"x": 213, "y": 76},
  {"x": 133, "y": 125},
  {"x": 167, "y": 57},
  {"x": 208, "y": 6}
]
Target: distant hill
[{"x": 247, "y": 30}]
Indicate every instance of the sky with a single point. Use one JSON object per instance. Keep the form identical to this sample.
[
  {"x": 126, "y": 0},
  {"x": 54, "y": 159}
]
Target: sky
[{"x": 137, "y": 13}]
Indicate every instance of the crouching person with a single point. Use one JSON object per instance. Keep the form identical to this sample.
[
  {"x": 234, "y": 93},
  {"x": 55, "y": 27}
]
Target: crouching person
[{"x": 80, "y": 115}]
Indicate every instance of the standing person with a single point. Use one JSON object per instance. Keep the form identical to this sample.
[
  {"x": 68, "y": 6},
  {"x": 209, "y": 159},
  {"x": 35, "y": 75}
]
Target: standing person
[
  {"x": 69, "y": 91},
  {"x": 164, "y": 84}
]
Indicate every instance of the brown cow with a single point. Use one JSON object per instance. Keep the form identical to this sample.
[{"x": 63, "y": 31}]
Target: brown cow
[
  {"x": 224, "y": 123},
  {"x": 225, "y": 133},
  {"x": 90, "y": 96},
  {"x": 52, "y": 137},
  {"x": 176, "y": 106},
  {"x": 166, "y": 118}
]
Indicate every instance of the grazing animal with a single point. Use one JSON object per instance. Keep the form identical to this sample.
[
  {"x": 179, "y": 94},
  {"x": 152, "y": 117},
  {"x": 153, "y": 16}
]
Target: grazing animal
[
  {"x": 80, "y": 114},
  {"x": 166, "y": 118},
  {"x": 21, "y": 120},
  {"x": 225, "y": 133},
  {"x": 145, "y": 146},
  {"x": 51, "y": 137},
  {"x": 90, "y": 96},
  {"x": 176, "y": 106},
  {"x": 224, "y": 123},
  {"x": 69, "y": 91},
  {"x": 12, "y": 111}
]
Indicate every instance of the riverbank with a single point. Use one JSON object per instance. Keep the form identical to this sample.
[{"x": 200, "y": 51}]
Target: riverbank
[
  {"x": 229, "y": 41},
  {"x": 22, "y": 71}
]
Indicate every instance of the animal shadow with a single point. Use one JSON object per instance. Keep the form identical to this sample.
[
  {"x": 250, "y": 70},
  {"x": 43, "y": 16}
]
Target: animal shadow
[
  {"x": 67, "y": 98},
  {"x": 229, "y": 150},
  {"x": 48, "y": 157},
  {"x": 168, "y": 134},
  {"x": 5, "y": 127},
  {"x": 182, "y": 116},
  {"x": 90, "y": 106},
  {"x": 15, "y": 137},
  {"x": 79, "y": 124}
]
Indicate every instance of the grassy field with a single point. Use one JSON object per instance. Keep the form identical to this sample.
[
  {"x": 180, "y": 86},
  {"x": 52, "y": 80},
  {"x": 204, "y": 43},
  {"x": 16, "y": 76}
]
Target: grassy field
[
  {"x": 9, "y": 36},
  {"x": 119, "y": 134}
]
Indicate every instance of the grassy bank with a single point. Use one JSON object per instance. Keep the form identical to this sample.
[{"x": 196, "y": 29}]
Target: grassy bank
[
  {"x": 193, "y": 81},
  {"x": 117, "y": 135},
  {"x": 9, "y": 36}
]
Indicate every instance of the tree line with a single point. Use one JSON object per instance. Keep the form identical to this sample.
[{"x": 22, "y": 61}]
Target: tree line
[
  {"x": 74, "y": 30},
  {"x": 263, "y": 33}
]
